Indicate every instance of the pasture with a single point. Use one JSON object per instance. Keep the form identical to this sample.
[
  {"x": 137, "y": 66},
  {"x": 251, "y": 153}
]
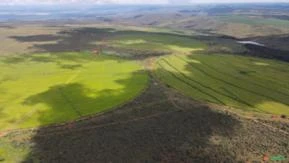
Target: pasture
[
  {"x": 247, "y": 83},
  {"x": 156, "y": 41},
  {"x": 42, "y": 89},
  {"x": 140, "y": 45}
]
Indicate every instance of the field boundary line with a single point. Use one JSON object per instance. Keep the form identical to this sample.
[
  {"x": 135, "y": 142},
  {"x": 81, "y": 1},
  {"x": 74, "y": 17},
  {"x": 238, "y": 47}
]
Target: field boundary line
[
  {"x": 225, "y": 109},
  {"x": 186, "y": 80},
  {"x": 110, "y": 124},
  {"x": 232, "y": 84},
  {"x": 63, "y": 126},
  {"x": 88, "y": 117},
  {"x": 75, "y": 75}
]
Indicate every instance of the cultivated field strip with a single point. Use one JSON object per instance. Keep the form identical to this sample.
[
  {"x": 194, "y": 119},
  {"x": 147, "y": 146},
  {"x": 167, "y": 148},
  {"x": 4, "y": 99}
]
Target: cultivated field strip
[
  {"x": 227, "y": 93},
  {"x": 215, "y": 79},
  {"x": 236, "y": 77},
  {"x": 238, "y": 86}
]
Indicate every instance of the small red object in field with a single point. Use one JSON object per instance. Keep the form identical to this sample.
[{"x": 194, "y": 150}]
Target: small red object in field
[
  {"x": 266, "y": 157},
  {"x": 2, "y": 134}
]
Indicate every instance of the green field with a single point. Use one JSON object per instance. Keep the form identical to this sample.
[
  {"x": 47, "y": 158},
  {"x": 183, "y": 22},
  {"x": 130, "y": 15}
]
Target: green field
[
  {"x": 254, "y": 20},
  {"x": 250, "y": 84},
  {"x": 152, "y": 43},
  {"x": 44, "y": 89},
  {"x": 160, "y": 41}
]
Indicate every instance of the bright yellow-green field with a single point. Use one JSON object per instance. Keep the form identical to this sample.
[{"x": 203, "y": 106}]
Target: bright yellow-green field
[
  {"x": 247, "y": 83},
  {"x": 157, "y": 42},
  {"x": 44, "y": 89}
]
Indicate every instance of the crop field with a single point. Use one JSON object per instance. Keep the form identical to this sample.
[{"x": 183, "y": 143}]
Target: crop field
[
  {"x": 42, "y": 89},
  {"x": 247, "y": 83}
]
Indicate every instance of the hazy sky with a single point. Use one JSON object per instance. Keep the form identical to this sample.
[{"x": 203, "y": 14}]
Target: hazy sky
[{"x": 131, "y": 1}]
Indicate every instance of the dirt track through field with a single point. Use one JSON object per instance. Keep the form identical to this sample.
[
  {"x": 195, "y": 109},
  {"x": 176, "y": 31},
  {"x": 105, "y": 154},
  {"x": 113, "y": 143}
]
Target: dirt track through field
[{"x": 73, "y": 77}]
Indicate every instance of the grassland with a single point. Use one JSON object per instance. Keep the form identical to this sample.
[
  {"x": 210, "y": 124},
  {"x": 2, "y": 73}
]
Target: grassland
[
  {"x": 43, "y": 89},
  {"x": 140, "y": 43},
  {"x": 250, "y": 84},
  {"x": 157, "y": 39}
]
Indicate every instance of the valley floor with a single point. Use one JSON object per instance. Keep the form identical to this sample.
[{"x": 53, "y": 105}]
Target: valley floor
[{"x": 161, "y": 124}]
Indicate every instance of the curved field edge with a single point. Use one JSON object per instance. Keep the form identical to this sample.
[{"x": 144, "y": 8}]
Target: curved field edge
[
  {"x": 59, "y": 87},
  {"x": 246, "y": 83}
]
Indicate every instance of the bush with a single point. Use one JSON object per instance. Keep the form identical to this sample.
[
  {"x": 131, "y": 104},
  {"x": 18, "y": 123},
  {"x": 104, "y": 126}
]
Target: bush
[{"x": 283, "y": 116}]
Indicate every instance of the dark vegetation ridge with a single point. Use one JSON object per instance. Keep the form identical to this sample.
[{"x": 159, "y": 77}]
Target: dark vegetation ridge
[
  {"x": 266, "y": 52},
  {"x": 82, "y": 39},
  {"x": 85, "y": 39}
]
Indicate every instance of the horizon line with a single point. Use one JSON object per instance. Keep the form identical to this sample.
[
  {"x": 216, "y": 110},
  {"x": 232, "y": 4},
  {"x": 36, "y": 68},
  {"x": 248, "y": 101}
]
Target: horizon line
[{"x": 138, "y": 4}]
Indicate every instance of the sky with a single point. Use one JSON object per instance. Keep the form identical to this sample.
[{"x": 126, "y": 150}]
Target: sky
[{"x": 132, "y": 1}]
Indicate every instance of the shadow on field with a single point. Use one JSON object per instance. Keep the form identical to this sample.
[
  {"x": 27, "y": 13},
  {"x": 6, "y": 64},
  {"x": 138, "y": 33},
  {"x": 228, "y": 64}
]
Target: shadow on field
[
  {"x": 66, "y": 41},
  {"x": 87, "y": 39},
  {"x": 71, "y": 66},
  {"x": 36, "y": 38},
  {"x": 75, "y": 59},
  {"x": 2, "y": 114},
  {"x": 72, "y": 101},
  {"x": 90, "y": 39},
  {"x": 276, "y": 46},
  {"x": 149, "y": 129}
]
